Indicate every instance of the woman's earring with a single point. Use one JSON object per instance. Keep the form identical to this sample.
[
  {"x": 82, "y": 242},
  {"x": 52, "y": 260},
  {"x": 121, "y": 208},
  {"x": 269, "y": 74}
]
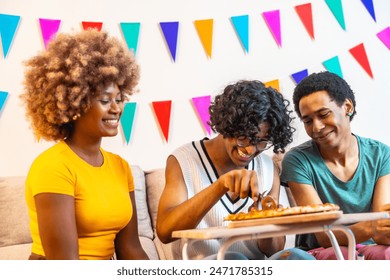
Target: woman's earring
[{"x": 349, "y": 114}]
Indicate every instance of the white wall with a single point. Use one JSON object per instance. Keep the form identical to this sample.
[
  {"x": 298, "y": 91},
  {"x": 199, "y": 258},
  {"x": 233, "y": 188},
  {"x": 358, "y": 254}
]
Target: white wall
[{"x": 193, "y": 74}]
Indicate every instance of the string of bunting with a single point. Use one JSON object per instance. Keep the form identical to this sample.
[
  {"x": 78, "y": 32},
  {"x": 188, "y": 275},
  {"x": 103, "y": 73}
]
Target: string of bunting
[{"x": 204, "y": 27}]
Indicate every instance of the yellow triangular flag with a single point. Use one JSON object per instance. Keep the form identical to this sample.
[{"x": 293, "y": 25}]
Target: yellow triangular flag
[
  {"x": 274, "y": 84},
  {"x": 205, "y": 32}
]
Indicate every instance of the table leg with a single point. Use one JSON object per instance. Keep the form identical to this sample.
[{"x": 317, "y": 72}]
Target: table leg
[
  {"x": 351, "y": 240},
  {"x": 184, "y": 249},
  {"x": 335, "y": 244}
]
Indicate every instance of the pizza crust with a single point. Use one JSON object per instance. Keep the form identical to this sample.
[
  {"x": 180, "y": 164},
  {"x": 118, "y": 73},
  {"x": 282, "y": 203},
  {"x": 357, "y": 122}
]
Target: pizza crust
[{"x": 282, "y": 211}]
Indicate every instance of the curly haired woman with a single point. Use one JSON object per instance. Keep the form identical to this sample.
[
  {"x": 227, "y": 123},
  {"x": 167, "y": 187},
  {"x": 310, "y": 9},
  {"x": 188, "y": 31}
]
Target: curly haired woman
[
  {"x": 80, "y": 197},
  {"x": 208, "y": 179}
]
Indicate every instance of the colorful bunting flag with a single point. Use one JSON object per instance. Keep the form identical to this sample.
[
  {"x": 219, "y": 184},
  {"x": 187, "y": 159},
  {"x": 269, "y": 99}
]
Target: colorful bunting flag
[
  {"x": 170, "y": 31},
  {"x": 336, "y": 8},
  {"x": 333, "y": 65},
  {"x": 359, "y": 53},
  {"x": 274, "y": 84},
  {"x": 49, "y": 28},
  {"x": 8, "y": 26},
  {"x": 3, "y": 97},
  {"x": 205, "y": 32},
  {"x": 202, "y": 104},
  {"x": 370, "y": 8},
  {"x": 305, "y": 14},
  {"x": 130, "y": 32},
  {"x": 162, "y": 109},
  {"x": 241, "y": 25},
  {"x": 272, "y": 18},
  {"x": 127, "y": 119},
  {"x": 92, "y": 25},
  {"x": 299, "y": 76},
  {"x": 384, "y": 36}
]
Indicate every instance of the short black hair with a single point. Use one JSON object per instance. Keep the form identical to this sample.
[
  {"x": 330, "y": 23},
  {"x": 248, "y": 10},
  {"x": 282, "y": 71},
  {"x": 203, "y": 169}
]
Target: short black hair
[
  {"x": 337, "y": 88},
  {"x": 243, "y": 106}
]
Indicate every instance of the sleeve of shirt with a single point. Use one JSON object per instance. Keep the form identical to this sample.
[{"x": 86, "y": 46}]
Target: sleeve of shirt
[
  {"x": 50, "y": 177},
  {"x": 385, "y": 166},
  {"x": 295, "y": 168},
  {"x": 130, "y": 177}
]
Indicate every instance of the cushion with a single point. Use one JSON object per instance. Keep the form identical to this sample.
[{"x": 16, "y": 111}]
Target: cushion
[
  {"x": 144, "y": 223},
  {"x": 14, "y": 222},
  {"x": 15, "y": 252},
  {"x": 149, "y": 248},
  {"x": 155, "y": 182}
]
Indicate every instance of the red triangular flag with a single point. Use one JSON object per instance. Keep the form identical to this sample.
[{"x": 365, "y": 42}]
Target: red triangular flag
[
  {"x": 92, "y": 25},
  {"x": 162, "y": 109},
  {"x": 305, "y": 14},
  {"x": 359, "y": 53}
]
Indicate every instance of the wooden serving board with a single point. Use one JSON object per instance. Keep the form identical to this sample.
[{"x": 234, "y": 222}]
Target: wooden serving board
[{"x": 291, "y": 219}]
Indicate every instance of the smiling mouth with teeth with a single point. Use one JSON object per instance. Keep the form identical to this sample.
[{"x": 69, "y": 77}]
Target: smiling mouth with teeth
[
  {"x": 241, "y": 154},
  {"x": 111, "y": 121}
]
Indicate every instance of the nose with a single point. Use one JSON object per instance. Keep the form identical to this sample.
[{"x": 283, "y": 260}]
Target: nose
[
  {"x": 251, "y": 149},
  {"x": 317, "y": 125},
  {"x": 116, "y": 107}
]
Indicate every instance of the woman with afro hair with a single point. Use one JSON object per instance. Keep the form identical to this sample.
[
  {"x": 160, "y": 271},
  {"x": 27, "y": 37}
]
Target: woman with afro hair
[
  {"x": 80, "y": 197},
  {"x": 209, "y": 179}
]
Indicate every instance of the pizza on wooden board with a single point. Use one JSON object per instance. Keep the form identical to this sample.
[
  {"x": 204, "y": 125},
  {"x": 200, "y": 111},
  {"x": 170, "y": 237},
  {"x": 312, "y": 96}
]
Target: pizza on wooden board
[{"x": 282, "y": 211}]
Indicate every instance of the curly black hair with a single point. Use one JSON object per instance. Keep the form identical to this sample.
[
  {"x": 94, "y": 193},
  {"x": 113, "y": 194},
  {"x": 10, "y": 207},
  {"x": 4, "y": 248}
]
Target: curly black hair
[
  {"x": 243, "y": 106},
  {"x": 337, "y": 88}
]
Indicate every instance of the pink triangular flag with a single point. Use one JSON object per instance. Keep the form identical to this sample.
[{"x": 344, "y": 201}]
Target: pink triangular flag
[
  {"x": 162, "y": 109},
  {"x": 272, "y": 19},
  {"x": 359, "y": 53},
  {"x": 49, "y": 28},
  {"x": 384, "y": 36},
  {"x": 202, "y": 104}
]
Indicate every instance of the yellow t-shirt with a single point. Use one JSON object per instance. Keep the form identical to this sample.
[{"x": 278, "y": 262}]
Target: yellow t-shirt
[{"x": 102, "y": 202}]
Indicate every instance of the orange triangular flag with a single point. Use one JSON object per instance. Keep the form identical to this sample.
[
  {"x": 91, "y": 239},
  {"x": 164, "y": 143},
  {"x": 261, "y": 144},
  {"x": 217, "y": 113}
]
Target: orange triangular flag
[
  {"x": 274, "y": 84},
  {"x": 162, "y": 109},
  {"x": 205, "y": 33},
  {"x": 359, "y": 53}
]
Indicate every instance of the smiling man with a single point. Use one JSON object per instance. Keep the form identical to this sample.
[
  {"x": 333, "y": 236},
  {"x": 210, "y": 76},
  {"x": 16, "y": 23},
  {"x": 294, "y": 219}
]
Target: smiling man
[{"x": 337, "y": 166}]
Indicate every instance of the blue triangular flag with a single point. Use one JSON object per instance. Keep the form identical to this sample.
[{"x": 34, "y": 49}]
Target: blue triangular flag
[
  {"x": 8, "y": 26},
  {"x": 3, "y": 97},
  {"x": 370, "y": 8},
  {"x": 241, "y": 25},
  {"x": 170, "y": 30},
  {"x": 333, "y": 65},
  {"x": 299, "y": 76}
]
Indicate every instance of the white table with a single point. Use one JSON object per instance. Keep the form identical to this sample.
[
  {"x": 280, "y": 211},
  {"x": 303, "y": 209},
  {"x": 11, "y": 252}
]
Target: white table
[{"x": 233, "y": 235}]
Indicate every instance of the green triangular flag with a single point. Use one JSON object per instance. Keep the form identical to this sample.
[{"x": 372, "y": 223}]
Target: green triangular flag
[
  {"x": 337, "y": 9},
  {"x": 333, "y": 65},
  {"x": 127, "y": 119}
]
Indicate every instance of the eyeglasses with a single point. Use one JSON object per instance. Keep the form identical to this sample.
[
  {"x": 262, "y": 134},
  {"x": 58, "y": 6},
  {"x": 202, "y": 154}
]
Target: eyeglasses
[{"x": 260, "y": 144}]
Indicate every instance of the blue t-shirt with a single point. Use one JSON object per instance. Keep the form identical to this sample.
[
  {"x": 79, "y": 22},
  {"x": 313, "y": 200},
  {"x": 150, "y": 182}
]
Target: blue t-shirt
[{"x": 304, "y": 164}]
